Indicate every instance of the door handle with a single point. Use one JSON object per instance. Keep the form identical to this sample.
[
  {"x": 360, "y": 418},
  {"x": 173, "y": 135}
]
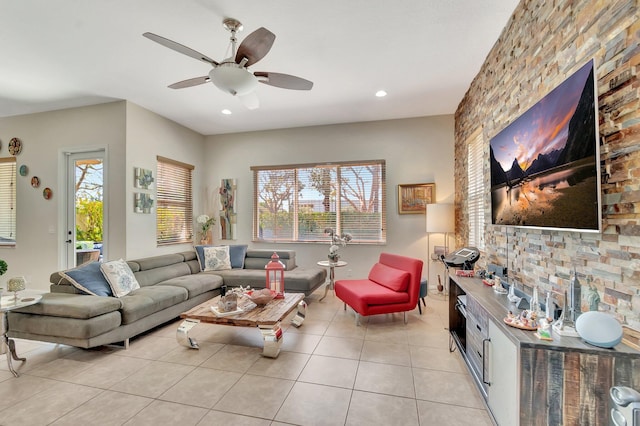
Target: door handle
[
  {"x": 484, "y": 360},
  {"x": 68, "y": 241}
]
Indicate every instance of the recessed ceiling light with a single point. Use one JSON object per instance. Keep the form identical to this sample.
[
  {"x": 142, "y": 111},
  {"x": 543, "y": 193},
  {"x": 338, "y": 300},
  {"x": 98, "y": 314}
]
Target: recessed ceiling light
[
  {"x": 226, "y": 112},
  {"x": 381, "y": 93}
]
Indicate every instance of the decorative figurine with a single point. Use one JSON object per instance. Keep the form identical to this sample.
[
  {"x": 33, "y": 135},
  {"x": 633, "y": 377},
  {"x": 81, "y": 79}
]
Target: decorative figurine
[{"x": 593, "y": 298}]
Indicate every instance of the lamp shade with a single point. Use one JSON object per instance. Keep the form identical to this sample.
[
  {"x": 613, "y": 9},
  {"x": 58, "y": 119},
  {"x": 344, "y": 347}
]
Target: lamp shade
[
  {"x": 440, "y": 218},
  {"x": 231, "y": 79}
]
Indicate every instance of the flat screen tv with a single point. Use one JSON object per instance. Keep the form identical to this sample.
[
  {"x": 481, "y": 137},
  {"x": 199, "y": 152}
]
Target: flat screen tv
[{"x": 545, "y": 165}]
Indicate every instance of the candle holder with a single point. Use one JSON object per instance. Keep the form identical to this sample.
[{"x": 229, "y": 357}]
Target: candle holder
[{"x": 15, "y": 285}]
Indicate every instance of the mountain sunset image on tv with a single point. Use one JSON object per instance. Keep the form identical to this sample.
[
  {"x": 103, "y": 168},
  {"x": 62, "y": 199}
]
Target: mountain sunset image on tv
[{"x": 545, "y": 165}]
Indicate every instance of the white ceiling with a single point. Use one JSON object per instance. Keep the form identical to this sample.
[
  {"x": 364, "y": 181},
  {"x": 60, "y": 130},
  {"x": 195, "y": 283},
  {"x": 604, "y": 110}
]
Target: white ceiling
[{"x": 424, "y": 53}]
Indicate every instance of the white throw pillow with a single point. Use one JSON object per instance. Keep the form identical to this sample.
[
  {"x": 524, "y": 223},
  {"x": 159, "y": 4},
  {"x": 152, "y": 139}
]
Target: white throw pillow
[
  {"x": 120, "y": 277},
  {"x": 217, "y": 258}
]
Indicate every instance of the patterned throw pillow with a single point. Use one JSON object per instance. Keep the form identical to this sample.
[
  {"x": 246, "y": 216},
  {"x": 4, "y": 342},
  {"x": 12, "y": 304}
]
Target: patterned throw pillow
[
  {"x": 237, "y": 254},
  {"x": 217, "y": 258},
  {"x": 120, "y": 277}
]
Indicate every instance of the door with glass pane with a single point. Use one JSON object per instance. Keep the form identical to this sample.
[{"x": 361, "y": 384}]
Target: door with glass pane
[{"x": 85, "y": 207}]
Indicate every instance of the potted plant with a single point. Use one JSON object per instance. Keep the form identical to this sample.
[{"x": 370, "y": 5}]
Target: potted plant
[{"x": 3, "y": 269}]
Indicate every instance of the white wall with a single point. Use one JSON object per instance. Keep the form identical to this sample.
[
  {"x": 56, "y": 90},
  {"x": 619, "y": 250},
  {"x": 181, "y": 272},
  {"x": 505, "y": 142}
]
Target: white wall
[
  {"x": 416, "y": 150},
  {"x": 150, "y": 135},
  {"x": 40, "y": 227}
]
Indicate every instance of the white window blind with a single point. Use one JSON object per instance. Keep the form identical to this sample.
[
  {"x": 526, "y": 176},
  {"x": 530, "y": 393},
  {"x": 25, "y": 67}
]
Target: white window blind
[
  {"x": 8, "y": 201},
  {"x": 476, "y": 190},
  {"x": 297, "y": 202},
  {"x": 174, "y": 201}
]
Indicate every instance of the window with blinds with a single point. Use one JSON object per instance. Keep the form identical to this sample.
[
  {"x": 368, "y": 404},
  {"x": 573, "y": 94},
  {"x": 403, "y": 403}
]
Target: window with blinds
[
  {"x": 8, "y": 201},
  {"x": 296, "y": 203},
  {"x": 476, "y": 192},
  {"x": 174, "y": 202}
]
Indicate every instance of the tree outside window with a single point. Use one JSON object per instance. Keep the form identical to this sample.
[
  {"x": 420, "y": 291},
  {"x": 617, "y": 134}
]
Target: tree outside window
[{"x": 296, "y": 203}]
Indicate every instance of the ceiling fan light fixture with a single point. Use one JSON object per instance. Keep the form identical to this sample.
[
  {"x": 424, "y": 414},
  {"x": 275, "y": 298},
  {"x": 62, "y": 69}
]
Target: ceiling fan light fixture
[
  {"x": 381, "y": 93},
  {"x": 231, "y": 79}
]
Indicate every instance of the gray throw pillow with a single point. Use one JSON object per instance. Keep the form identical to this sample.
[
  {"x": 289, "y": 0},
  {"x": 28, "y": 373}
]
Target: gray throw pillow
[{"x": 88, "y": 279}]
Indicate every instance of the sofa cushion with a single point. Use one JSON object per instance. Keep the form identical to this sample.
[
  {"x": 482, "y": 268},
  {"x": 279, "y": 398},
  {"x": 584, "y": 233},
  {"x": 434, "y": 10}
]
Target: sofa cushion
[
  {"x": 237, "y": 254},
  {"x": 216, "y": 258},
  {"x": 64, "y": 327},
  {"x": 392, "y": 278},
  {"x": 120, "y": 277},
  {"x": 88, "y": 278},
  {"x": 367, "y": 292},
  {"x": 72, "y": 306},
  {"x": 155, "y": 262},
  {"x": 154, "y": 276},
  {"x": 258, "y": 258},
  {"x": 195, "y": 284},
  {"x": 299, "y": 280},
  {"x": 148, "y": 300}
]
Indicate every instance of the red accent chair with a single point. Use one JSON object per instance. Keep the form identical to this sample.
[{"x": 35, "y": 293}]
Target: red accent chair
[{"x": 393, "y": 285}]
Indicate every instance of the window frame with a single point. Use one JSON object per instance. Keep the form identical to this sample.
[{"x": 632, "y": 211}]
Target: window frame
[
  {"x": 476, "y": 193},
  {"x": 8, "y": 194},
  {"x": 299, "y": 205},
  {"x": 174, "y": 190}
]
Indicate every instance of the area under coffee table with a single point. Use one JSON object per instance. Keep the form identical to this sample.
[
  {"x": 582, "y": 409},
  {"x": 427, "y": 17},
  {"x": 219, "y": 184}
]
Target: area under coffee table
[{"x": 267, "y": 318}]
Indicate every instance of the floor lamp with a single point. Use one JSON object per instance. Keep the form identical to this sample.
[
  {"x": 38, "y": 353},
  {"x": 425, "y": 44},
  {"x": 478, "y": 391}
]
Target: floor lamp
[{"x": 440, "y": 220}]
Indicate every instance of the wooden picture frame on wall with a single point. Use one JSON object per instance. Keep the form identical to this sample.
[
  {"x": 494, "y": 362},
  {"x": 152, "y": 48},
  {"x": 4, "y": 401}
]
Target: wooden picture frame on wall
[{"x": 414, "y": 197}]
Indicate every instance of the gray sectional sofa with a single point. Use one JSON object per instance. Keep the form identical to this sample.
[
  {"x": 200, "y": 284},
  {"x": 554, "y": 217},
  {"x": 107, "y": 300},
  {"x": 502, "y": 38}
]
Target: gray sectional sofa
[{"x": 169, "y": 285}]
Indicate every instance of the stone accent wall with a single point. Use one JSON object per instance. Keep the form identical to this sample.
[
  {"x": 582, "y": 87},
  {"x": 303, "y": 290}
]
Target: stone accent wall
[{"x": 543, "y": 43}]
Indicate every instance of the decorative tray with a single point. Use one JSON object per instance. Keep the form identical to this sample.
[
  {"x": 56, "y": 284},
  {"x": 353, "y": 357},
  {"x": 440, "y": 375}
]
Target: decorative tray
[
  {"x": 517, "y": 323},
  {"x": 219, "y": 314}
]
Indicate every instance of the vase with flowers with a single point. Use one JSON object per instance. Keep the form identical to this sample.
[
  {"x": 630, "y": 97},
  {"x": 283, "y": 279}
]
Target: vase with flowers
[
  {"x": 205, "y": 222},
  {"x": 337, "y": 240}
]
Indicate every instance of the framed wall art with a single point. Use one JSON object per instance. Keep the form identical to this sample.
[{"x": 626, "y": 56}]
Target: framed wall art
[
  {"x": 228, "y": 213},
  {"x": 413, "y": 198},
  {"x": 142, "y": 203},
  {"x": 142, "y": 178}
]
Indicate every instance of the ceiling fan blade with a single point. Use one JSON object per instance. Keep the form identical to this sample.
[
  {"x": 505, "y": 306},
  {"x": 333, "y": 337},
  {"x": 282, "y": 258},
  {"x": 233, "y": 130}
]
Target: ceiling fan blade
[
  {"x": 190, "y": 82},
  {"x": 255, "y": 46},
  {"x": 180, "y": 48},
  {"x": 250, "y": 100},
  {"x": 284, "y": 81}
]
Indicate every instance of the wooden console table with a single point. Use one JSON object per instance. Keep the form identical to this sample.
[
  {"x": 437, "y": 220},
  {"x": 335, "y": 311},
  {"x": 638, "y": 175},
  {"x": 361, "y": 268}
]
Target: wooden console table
[{"x": 528, "y": 381}]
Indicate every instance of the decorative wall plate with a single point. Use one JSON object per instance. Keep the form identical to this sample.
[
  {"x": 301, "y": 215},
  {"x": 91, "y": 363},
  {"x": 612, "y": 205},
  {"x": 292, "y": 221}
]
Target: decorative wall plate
[
  {"x": 15, "y": 146},
  {"x": 35, "y": 181},
  {"x": 47, "y": 193},
  {"x": 24, "y": 170}
]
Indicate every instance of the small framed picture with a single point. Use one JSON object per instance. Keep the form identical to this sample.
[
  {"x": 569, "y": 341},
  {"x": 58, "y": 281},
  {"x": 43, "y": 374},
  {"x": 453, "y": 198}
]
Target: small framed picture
[
  {"x": 142, "y": 178},
  {"x": 413, "y": 198},
  {"x": 142, "y": 203}
]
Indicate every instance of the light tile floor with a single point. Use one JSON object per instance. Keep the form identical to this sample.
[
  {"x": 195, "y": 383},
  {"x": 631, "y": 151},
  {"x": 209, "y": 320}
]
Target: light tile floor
[{"x": 330, "y": 372}]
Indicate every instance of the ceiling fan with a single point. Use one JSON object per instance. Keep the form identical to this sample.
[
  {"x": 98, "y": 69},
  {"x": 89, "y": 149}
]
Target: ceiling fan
[{"x": 232, "y": 74}]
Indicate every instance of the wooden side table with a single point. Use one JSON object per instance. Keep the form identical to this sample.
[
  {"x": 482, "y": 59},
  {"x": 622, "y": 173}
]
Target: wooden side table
[{"x": 331, "y": 266}]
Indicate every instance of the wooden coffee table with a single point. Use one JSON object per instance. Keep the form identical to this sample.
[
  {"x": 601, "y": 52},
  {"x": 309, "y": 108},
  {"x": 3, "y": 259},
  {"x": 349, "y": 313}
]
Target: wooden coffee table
[{"x": 266, "y": 318}]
